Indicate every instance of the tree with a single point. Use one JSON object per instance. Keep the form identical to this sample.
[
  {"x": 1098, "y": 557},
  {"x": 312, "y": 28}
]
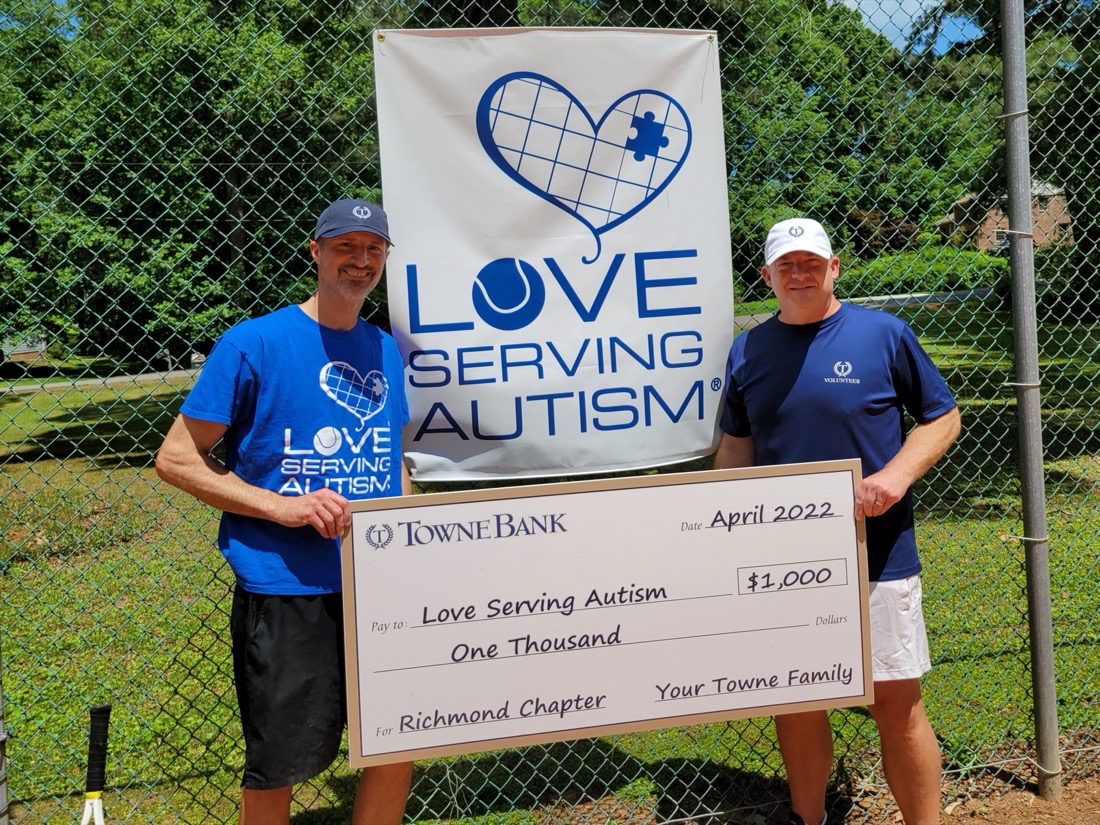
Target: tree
[
  {"x": 1067, "y": 149},
  {"x": 823, "y": 117},
  {"x": 33, "y": 66},
  {"x": 165, "y": 157},
  {"x": 169, "y": 189},
  {"x": 1063, "y": 75}
]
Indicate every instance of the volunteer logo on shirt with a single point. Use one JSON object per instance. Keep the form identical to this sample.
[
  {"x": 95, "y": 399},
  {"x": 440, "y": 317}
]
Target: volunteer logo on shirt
[{"x": 843, "y": 371}]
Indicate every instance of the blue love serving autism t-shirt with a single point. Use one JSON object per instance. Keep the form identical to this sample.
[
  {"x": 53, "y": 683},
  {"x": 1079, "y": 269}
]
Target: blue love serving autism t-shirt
[
  {"x": 837, "y": 389},
  {"x": 306, "y": 407}
]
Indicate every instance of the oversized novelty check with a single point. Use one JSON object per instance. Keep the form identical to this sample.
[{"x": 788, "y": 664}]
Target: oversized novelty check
[{"x": 496, "y": 618}]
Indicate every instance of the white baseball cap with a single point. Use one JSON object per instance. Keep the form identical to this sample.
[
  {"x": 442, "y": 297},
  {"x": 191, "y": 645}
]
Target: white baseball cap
[{"x": 796, "y": 235}]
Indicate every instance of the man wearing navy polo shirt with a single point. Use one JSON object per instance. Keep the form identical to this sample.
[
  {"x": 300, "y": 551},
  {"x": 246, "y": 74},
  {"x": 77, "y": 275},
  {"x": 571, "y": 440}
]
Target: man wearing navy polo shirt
[{"x": 826, "y": 380}]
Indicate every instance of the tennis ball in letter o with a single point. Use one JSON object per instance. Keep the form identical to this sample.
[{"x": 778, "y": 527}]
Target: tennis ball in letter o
[
  {"x": 327, "y": 440},
  {"x": 508, "y": 293}
]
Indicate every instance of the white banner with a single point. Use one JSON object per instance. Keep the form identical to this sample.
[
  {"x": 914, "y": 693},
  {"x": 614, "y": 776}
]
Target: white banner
[{"x": 561, "y": 284}]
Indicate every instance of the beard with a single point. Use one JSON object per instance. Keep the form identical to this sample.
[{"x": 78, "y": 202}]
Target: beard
[{"x": 355, "y": 283}]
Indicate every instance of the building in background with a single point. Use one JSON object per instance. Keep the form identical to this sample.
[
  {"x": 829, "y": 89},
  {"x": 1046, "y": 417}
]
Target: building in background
[{"x": 982, "y": 224}]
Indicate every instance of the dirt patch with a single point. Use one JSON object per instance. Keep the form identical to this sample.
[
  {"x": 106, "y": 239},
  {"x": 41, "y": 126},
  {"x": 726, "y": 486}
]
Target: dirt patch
[{"x": 1079, "y": 805}]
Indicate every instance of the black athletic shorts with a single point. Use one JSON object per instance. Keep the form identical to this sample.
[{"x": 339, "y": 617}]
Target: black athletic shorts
[{"x": 288, "y": 663}]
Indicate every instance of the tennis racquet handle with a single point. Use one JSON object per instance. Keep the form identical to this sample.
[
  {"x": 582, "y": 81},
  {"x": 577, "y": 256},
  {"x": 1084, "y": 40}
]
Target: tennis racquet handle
[{"x": 97, "y": 747}]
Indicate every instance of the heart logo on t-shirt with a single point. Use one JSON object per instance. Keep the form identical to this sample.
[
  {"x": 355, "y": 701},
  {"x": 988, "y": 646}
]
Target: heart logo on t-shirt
[{"x": 362, "y": 395}]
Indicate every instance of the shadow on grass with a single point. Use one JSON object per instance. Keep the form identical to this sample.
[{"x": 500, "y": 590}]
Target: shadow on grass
[
  {"x": 973, "y": 346},
  {"x": 119, "y": 433},
  {"x": 574, "y": 781},
  {"x": 590, "y": 770},
  {"x": 982, "y": 464}
]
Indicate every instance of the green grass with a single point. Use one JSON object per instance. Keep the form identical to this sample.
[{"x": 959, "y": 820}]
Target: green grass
[
  {"x": 756, "y": 307},
  {"x": 113, "y": 591}
]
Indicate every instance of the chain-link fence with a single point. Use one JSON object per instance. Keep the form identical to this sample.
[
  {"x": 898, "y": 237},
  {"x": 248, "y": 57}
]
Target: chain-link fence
[{"x": 162, "y": 162}]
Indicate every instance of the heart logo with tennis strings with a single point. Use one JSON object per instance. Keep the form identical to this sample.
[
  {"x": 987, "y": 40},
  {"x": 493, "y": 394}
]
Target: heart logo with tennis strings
[
  {"x": 602, "y": 172},
  {"x": 362, "y": 396}
]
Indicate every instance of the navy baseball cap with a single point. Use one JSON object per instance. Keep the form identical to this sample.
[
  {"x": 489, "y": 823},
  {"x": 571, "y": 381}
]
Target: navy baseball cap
[{"x": 350, "y": 215}]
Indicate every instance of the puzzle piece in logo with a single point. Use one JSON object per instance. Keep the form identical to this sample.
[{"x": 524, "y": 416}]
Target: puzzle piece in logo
[
  {"x": 362, "y": 396},
  {"x": 649, "y": 138}
]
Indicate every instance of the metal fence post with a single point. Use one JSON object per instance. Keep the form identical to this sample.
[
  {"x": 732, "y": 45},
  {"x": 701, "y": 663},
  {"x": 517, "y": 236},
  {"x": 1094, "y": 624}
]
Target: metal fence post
[{"x": 1029, "y": 423}]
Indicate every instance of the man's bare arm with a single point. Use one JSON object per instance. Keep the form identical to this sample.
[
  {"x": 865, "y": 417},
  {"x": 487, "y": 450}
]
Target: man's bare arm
[
  {"x": 923, "y": 447},
  {"x": 184, "y": 461},
  {"x": 734, "y": 452}
]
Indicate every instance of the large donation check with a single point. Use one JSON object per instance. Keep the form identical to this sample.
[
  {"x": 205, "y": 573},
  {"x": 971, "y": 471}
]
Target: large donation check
[{"x": 496, "y": 618}]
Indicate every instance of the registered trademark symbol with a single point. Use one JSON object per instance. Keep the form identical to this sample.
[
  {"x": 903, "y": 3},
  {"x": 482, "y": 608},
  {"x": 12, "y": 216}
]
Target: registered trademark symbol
[{"x": 716, "y": 384}]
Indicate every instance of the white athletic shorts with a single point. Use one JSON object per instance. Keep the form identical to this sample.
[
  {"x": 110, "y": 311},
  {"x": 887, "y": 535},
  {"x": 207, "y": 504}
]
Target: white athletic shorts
[{"x": 899, "y": 643}]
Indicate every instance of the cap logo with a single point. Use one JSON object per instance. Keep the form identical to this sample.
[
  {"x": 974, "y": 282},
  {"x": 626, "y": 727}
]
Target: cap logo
[
  {"x": 361, "y": 212},
  {"x": 796, "y": 231}
]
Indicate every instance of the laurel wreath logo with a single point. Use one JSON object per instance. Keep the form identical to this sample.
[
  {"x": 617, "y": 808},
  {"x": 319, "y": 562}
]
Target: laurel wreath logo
[{"x": 379, "y": 535}]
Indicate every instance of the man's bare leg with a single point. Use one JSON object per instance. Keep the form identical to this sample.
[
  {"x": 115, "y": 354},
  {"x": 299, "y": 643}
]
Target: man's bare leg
[
  {"x": 266, "y": 807},
  {"x": 806, "y": 742},
  {"x": 382, "y": 793},
  {"x": 910, "y": 753}
]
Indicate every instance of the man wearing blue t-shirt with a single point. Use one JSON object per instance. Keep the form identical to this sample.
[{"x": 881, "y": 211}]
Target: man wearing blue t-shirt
[
  {"x": 826, "y": 380},
  {"x": 308, "y": 403}
]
